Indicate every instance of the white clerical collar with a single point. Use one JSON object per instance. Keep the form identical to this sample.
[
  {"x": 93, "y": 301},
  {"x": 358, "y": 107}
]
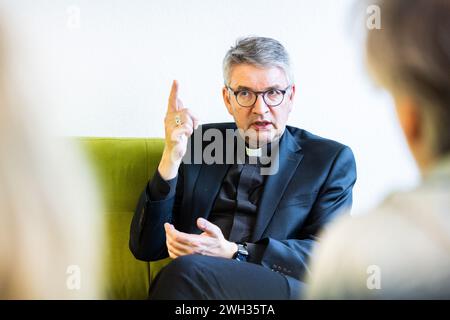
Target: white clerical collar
[{"x": 253, "y": 152}]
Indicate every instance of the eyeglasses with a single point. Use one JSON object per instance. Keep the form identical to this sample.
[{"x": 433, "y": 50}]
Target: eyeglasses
[{"x": 247, "y": 98}]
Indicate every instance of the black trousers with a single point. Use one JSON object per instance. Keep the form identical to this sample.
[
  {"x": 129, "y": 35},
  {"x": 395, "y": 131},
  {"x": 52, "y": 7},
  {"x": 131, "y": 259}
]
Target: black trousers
[{"x": 202, "y": 277}]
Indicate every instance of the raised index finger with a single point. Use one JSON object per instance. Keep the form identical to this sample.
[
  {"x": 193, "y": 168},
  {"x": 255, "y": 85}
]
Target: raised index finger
[{"x": 173, "y": 104}]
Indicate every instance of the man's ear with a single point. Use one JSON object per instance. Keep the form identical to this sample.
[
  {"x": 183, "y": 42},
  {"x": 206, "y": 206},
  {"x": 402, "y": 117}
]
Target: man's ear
[
  {"x": 408, "y": 114},
  {"x": 226, "y": 100},
  {"x": 291, "y": 97}
]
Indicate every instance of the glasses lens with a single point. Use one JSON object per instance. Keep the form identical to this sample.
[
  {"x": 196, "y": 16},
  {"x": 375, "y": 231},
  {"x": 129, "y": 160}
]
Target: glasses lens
[
  {"x": 245, "y": 98},
  {"x": 273, "y": 97}
]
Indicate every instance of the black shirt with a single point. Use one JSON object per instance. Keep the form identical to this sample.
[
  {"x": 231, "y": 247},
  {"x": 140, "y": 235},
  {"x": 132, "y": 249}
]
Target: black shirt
[
  {"x": 235, "y": 208},
  {"x": 236, "y": 204}
]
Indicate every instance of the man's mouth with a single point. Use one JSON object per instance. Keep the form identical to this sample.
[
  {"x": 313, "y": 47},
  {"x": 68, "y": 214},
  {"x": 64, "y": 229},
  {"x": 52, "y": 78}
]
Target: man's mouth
[{"x": 262, "y": 125}]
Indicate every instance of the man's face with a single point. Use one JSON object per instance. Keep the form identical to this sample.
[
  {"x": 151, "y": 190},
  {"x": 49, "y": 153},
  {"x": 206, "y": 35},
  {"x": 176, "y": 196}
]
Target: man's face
[{"x": 260, "y": 122}]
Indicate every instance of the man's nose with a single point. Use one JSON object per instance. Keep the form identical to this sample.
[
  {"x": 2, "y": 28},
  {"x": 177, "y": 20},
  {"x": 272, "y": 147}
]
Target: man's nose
[{"x": 260, "y": 106}]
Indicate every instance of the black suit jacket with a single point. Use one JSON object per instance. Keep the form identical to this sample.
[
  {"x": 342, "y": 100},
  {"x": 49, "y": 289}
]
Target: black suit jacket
[{"x": 313, "y": 184}]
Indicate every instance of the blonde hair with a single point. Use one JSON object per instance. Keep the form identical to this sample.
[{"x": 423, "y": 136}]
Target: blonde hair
[{"x": 49, "y": 224}]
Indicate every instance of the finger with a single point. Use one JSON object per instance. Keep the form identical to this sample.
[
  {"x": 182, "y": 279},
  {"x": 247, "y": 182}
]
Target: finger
[
  {"x": 176, "y": 251},
  {"x": 185, "y": 119},
  {"x": 183, "y": 116},
  {"x": 171, "y": 124},
  {"x": 179, "y": 104},
  {"x": 168, "y": 227},
  {"x": 173, "y": 236},
  {"x": 171, "y": 254},
  {"x": 210, "y": 228},
  {"x": 180, "y": 132},
  {"x": 181, "y": 248},
  {"x": 172, "y": 105},
  {"x": 190, "y": 240},
  {"x": 187, "y": 116},
  {"x": 204, "y": 249},
  {"x": 170, "y": 231},
  {"x": 195, "y": 121},
  {"x": 184, "y": 244}
]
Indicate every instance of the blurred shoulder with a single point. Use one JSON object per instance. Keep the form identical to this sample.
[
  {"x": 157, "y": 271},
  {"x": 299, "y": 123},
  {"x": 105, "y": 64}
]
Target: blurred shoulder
[{"x": 312, "y": 142}]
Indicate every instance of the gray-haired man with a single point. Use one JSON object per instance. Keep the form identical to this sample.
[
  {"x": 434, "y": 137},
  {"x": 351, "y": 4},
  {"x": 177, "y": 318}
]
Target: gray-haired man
[{"x": 234, "y": 232}]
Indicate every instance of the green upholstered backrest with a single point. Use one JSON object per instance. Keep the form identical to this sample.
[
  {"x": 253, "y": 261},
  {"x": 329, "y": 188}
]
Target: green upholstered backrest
[{"x": 122, "y": 167}]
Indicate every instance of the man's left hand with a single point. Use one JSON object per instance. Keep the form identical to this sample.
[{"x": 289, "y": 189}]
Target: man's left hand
[{"x": 210, "y": 243}]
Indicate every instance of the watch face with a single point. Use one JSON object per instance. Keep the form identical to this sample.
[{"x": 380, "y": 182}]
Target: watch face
[
  {"x": 242, "y": 253},
  {"x": 241, "y": 258}
]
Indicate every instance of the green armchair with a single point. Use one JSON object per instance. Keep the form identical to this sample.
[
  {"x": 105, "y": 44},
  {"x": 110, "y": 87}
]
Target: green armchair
[{"x": 123, "y": 166}]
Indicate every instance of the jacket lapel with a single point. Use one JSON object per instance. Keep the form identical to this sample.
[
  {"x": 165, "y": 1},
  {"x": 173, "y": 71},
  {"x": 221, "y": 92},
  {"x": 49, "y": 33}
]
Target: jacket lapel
[
  {"x": 289, "y": 158},
  {"x": 205, "y": 191}
]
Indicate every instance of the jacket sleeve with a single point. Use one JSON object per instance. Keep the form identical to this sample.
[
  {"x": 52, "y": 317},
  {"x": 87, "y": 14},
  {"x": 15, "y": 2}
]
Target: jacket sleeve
[
  {"x": 159, "y": 203},
  {"x": 291, "y": 256}
]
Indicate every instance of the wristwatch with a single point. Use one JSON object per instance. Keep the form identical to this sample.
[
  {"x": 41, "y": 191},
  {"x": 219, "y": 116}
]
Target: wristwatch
[{"x": 242, "y": 252}]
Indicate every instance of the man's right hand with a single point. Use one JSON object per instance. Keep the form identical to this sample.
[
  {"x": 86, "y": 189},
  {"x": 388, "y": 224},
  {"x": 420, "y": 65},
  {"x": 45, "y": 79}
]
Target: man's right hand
[{"x": 179, "y": 125}]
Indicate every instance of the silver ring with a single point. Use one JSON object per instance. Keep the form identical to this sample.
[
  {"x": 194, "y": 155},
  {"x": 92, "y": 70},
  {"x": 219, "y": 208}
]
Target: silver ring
[{"x": 177, "y": 120}]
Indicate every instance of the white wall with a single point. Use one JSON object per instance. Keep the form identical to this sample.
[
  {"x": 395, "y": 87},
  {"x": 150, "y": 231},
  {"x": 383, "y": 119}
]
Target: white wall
[{"x": 110, "y": 76}]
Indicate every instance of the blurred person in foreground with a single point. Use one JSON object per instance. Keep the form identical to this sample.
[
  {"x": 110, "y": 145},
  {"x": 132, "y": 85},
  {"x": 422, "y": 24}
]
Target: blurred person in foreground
[
  {"x": 401, "y": 250},
  {"x": 49, "y": 229}
]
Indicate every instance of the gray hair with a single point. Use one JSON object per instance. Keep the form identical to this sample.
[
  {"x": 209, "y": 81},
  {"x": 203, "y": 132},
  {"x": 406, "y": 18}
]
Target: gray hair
[
  {"x": 411, "y": 54},
  {"x": 260, "y": 52}
]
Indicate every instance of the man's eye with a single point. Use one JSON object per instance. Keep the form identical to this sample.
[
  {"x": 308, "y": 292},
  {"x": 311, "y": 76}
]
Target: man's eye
[
  {"x": 244, "y": 93},
  {"x": 273, "y": 93}
]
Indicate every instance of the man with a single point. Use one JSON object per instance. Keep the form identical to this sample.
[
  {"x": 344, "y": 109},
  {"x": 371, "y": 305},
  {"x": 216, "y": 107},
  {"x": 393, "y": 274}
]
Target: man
[
  {"x": 402, "y": 249},
  {"x": 234, "y": 232}
]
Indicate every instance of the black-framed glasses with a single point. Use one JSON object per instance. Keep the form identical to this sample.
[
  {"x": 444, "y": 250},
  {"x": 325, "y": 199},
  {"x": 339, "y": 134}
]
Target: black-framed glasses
[{"x": 247, "y": 98}]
